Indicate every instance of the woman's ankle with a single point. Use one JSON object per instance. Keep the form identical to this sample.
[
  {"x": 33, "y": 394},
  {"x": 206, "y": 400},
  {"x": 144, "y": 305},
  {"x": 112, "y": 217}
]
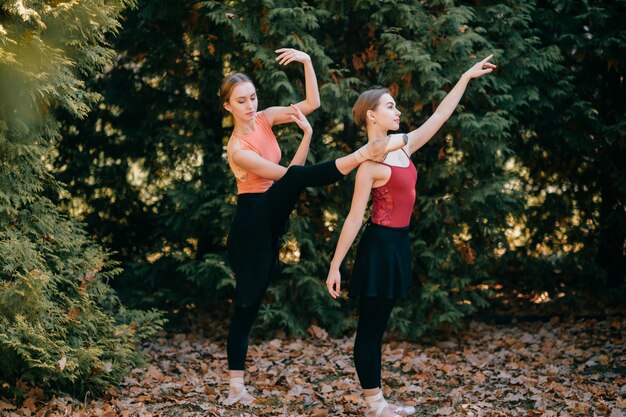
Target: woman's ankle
[
  {"x": 235, "y": 373},
  {"x": 371, "y": 392}
]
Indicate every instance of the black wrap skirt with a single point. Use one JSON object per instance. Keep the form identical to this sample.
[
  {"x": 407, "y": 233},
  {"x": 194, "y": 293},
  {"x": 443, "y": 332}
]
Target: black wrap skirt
[{"x": 383, "y": 265}]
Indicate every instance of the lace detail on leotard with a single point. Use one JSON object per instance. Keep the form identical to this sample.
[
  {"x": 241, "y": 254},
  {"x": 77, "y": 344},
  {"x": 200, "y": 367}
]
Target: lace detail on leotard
[{"x": 382, "y": 206}]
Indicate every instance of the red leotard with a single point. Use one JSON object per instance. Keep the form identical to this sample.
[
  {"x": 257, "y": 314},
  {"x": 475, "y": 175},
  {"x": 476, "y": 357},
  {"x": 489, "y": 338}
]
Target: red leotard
[{"x": 392, "y": 203}]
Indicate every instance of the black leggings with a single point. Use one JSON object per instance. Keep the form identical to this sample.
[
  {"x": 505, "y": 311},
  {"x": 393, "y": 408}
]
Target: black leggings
[
  {"x": 237, "y": 342},
  {"x": 374, "y": 314},
  {"x": 283, "y": 195},
  {"x": 281, "y": 198}
]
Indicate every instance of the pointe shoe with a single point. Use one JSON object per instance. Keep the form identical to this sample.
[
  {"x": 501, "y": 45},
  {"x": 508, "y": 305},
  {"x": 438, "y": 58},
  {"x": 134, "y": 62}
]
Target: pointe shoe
[
  {"x": 403, "y": 410},
  {"x": 378, "y": 407},
  {"x": 377, "y": 150},
  {"x": 241, "y": 396}
]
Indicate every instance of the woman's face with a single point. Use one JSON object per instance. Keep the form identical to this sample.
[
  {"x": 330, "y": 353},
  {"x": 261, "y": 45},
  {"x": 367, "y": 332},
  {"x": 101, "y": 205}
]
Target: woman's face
[
  {"x": 386, "y": 115},
  {"x": 242, "y": 102}
]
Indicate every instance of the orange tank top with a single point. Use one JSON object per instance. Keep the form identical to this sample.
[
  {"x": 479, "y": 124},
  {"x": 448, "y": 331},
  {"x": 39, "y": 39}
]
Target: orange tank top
[{"x": 263, "y": 142}]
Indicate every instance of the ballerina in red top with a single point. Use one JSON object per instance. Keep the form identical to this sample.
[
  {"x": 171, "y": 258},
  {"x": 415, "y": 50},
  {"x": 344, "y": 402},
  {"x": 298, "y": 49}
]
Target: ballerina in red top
[{"x": 382, "y": 268}]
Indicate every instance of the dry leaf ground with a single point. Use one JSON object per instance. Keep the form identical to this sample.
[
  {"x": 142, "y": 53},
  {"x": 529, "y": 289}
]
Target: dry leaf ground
[{"x": 534, "y": 369}]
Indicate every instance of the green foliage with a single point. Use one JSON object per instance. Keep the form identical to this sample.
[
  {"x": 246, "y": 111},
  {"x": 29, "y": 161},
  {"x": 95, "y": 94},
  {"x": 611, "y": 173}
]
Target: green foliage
[
  {"x": 61, "y": 326},
  {"x": 523, "y": 186},
  {"x": 569, "y": 139}
]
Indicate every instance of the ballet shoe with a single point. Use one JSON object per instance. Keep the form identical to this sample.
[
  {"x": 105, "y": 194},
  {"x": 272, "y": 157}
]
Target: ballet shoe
[
  {"x": 403, "y": 410},
  {"x": 241, "y": 396},
  {"x": 378, "y": 407},
  {"x": 377, "y": 150}
]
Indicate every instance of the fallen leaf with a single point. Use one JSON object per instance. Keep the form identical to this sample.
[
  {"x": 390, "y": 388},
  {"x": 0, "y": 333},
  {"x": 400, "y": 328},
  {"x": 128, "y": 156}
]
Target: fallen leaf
[
  {"x": 317, "y": 332},
  {"x": 444, "y": 411}
]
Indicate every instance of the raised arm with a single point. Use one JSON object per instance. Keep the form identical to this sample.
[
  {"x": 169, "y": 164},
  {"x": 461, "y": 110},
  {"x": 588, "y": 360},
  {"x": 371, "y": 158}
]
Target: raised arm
[
  {"x": 279, "y": 114},
  {"x": 362, "y": 188},
  {"x": 300, "y": 119},
  {"x": 255, "y": 163},
  {"x": 421, "y": 135}
]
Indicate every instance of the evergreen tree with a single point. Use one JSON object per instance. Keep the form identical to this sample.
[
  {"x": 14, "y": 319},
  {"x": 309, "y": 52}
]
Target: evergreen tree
[
  {"x": 568, "y": 147},
  {"x": 61, "y": 325},
  {"x": 147, "y": 171},
  {"x": 576, "y": 164}
]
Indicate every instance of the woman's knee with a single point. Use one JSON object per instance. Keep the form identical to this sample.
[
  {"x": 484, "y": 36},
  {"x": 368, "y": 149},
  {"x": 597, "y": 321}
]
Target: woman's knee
[{"x": 295, "y": 172}]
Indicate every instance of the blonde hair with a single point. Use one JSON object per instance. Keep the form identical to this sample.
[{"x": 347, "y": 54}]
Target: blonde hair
[
  {"x": 229, "y": 83},
  {"x": 368, "y": 100}
]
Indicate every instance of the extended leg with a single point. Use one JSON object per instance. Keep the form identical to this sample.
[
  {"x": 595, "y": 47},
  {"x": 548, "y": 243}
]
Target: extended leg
[{"x": 283, "y": 195}]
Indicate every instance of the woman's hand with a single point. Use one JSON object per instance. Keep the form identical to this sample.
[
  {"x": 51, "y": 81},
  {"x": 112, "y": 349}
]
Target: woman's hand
[
  {"x": 333, "y": 282},
  {"x": 296, "y": 116},
  {"x": 288, "y": 55},
  {"x": 480, "y": 68}
]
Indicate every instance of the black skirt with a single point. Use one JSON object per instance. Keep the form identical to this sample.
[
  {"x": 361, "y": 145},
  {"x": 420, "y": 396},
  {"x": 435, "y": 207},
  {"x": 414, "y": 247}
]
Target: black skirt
[
  {"x": 383, "y": 265},
  {"x": 252, "y": 248}
]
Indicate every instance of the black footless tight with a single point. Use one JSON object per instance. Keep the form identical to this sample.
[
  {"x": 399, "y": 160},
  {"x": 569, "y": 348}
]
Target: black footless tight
[
  {"x": 374, "y": 314},
  {"x": 237, "y": 343},
  {"x": 281, "y": 198},
  {"x": 283, "y": 195}
]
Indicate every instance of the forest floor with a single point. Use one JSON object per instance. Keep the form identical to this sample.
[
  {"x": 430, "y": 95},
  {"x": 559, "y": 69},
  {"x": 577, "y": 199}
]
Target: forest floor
[{"x": 555, "y": 368}]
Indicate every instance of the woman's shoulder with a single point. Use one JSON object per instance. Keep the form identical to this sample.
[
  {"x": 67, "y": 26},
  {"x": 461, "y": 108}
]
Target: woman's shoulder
[
  {"x": 373, "y": 170},
  {"x": 261, "y": 119},
  {"x": 234, "y": 144},
  {"x": 233, "y": 141}
]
